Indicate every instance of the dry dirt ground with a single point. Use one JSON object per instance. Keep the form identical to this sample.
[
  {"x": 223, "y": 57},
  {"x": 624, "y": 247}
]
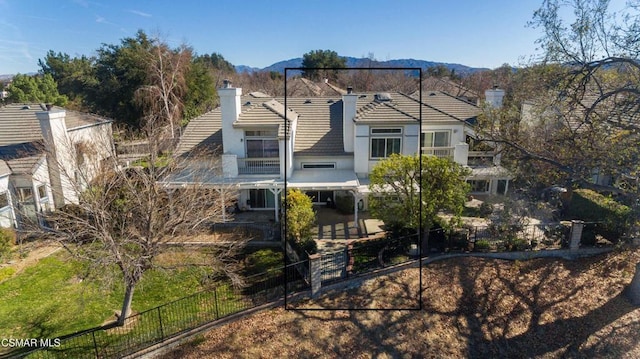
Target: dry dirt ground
[
  {"x": 472, "y": 307},
  {"x": 33, "y": 252}
]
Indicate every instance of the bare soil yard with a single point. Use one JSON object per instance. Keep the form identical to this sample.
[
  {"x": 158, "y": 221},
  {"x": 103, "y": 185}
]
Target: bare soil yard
[{"x": 472, "y": 307}]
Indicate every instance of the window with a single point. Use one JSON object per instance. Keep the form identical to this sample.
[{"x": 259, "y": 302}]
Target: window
[
  {"x": 4, "y": 200},
  {"x": 25, "y": 194},
  {"x": 261, "y": 198},
  {"x": 435, "y": 139},
  {"x": 385, "y": 142},
  {"x": 479, "y": 186},
  {"x": 319, "y": 196},
  {"x": 306, "y": 166},
  {"x": 262, "y": 144},
  {"x": 42, "y": 191}
]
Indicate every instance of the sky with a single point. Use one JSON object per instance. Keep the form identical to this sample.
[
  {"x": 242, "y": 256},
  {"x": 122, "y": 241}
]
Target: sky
[{"x": 257, "y": 33}]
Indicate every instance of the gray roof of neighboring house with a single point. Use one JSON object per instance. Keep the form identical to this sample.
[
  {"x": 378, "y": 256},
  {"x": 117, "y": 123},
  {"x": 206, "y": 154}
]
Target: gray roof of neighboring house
[
  {"x": 19, "y": 124},
  {"x": 21, "y": 139},
  {"x": 24, "y": 165},
  {"x": 319, "y": 119},
  {"x": 203, "y": 133},
  {"x": 437, "y": 106}
]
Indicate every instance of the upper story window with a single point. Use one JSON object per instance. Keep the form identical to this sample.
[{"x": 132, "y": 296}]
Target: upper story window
[
  {"x": 262, "y": 143},
  {"x": 435, "y": 139},
  {"x": 385, "y": 142},
  {"x": 436, "y": 143}
]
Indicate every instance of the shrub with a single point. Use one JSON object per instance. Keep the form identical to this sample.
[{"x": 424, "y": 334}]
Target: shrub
[
  {"x": 7, "y": 240},
  {"x": 517, "y": 244},
  {"x": 590, "y": 206},
  {"x": 485, "y": 210},
  {"x": 482, "y": 244}
]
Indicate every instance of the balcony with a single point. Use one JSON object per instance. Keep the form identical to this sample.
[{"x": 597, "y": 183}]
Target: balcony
[
  {"x": 442, "y": 152},
  {"x": 259, "y": 166}
]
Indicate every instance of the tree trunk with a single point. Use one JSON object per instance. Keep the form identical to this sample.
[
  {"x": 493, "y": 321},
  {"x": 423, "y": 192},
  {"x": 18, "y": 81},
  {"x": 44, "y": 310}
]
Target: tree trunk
[
  {"x": 126, "y": 304},
  {"x": 633, "y": 291}
]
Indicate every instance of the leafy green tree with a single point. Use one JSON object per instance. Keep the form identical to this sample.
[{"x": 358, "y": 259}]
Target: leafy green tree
[
  {"x": 398, "y": 188},
  {"x": 322, "y": 59},
  {"x": 41, "y": 89},
  {"x": 72, "y": 75},
  {"x": 119, "y": 71},
  {"x": 300, "y": 219}
]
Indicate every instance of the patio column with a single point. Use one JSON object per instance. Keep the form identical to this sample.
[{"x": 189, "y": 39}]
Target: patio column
[
  {"x": 276, "y": 192},
  {"x": 356, "y": 197}
]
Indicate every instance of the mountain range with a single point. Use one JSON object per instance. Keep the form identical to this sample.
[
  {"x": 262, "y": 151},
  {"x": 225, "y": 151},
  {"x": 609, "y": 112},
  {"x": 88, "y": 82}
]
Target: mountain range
[{"x": 365, "y": 62}]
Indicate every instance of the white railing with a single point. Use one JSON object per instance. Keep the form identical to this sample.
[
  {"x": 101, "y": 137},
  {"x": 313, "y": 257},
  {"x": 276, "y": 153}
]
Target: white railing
[
  {"x": 442, "y": 152},
  {"x": 258, "y": 166}
]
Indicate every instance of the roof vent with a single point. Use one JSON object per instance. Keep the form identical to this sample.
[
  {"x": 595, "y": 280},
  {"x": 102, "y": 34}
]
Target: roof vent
[
  {"x": 349, "y": 90},
  {"x": 226, "y": 84},
  {"x": 307, "y": 101},
  {"x": 383, "y": 96},
  {"x": 362, "y": 96},
  {"x": 330, "y": 101},
  {"x": 248, "y": 103},
  {"x": 432, "y": 94},
  {"x": 25, "y": 107}
]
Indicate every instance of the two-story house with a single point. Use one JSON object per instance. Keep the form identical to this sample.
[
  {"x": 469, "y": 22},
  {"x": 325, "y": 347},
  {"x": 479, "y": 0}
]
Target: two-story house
[
  {"x": 327, "y": 146},
  {"x": 47, "y": 155}
]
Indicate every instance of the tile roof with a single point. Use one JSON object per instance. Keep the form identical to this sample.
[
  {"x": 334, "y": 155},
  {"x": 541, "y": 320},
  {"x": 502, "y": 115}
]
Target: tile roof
[
  {"x": 19, "y": 124},
  {"x": 319, "y": 130},
  {"x": 203, "y": 133},
  {"x": 21, "y": 136},
  {"x": 319, "y": 119},
  {"x": 25, "y": 165},
  {"x": 269, "y": 113}
]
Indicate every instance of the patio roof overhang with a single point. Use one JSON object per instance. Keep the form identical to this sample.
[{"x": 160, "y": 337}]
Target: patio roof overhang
[
  {"x": 330, "y": 180},
  {"x": 493, "y": 172}
]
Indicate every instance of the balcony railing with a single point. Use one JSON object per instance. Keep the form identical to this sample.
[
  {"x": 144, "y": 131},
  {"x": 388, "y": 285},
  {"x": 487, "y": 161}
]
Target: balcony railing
[
  {"x": 442, "y": 152},
  {"x": 258, "y": 166}
]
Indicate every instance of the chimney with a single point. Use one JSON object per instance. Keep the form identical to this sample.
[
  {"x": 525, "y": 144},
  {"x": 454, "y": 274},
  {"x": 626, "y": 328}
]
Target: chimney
[
  {"x": 348, "y": 115},
  {"x": 60, "y": 153},
  {"x": 230, "y": 108},
  {"x": 494, "y": 96}
]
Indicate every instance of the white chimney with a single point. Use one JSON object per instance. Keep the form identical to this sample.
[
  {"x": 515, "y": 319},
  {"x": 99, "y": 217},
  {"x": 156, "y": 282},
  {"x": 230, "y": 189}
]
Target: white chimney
[
  {"x": 348, "y": 114},
  {"x": 230, "y": 109},
  {"x": 60, "y": 153},
  {"x": 494, "y": 97}
]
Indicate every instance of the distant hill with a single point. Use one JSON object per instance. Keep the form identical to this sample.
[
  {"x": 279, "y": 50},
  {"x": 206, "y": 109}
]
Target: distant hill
[{"x": 364, "y": 62}]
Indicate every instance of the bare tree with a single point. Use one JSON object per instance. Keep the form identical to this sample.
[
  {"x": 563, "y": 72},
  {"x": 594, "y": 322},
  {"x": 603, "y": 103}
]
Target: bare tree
[{"x": 125, "y": 216}]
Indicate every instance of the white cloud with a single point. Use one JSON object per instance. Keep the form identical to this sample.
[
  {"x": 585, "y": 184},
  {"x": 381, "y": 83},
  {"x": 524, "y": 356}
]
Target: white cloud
[{"x": 140, "y": 13}]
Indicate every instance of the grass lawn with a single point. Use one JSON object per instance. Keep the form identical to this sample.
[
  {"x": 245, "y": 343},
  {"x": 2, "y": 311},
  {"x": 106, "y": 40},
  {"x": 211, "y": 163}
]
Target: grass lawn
[
  {"x": 49, "y": 298},
  {"x": 472, "y": 307}
]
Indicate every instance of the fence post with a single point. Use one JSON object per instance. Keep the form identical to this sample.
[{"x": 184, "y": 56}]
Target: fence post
[
  {"x": 161, "y": 328},
  {"x": 215, "y": 300},
  {"x": 576, "y": 234},
  {"x": 95, "y": 343},
  {"x": 315, "y": 274}
]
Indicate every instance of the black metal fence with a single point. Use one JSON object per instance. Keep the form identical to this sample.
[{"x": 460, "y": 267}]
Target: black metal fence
[{"x": 156, "y": 325}]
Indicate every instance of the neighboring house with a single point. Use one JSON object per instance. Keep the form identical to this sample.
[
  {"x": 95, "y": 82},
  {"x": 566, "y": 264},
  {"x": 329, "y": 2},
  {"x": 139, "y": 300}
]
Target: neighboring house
[
  {"x": 328, "y": 145},
  {"x": 47, "y": 155}
]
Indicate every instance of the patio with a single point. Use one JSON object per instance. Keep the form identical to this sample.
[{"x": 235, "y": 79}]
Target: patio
[{"x": 334, "y": 230}]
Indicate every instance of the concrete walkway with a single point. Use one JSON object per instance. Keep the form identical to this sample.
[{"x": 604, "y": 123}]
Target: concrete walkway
[{"x": 334, "y": 230}]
